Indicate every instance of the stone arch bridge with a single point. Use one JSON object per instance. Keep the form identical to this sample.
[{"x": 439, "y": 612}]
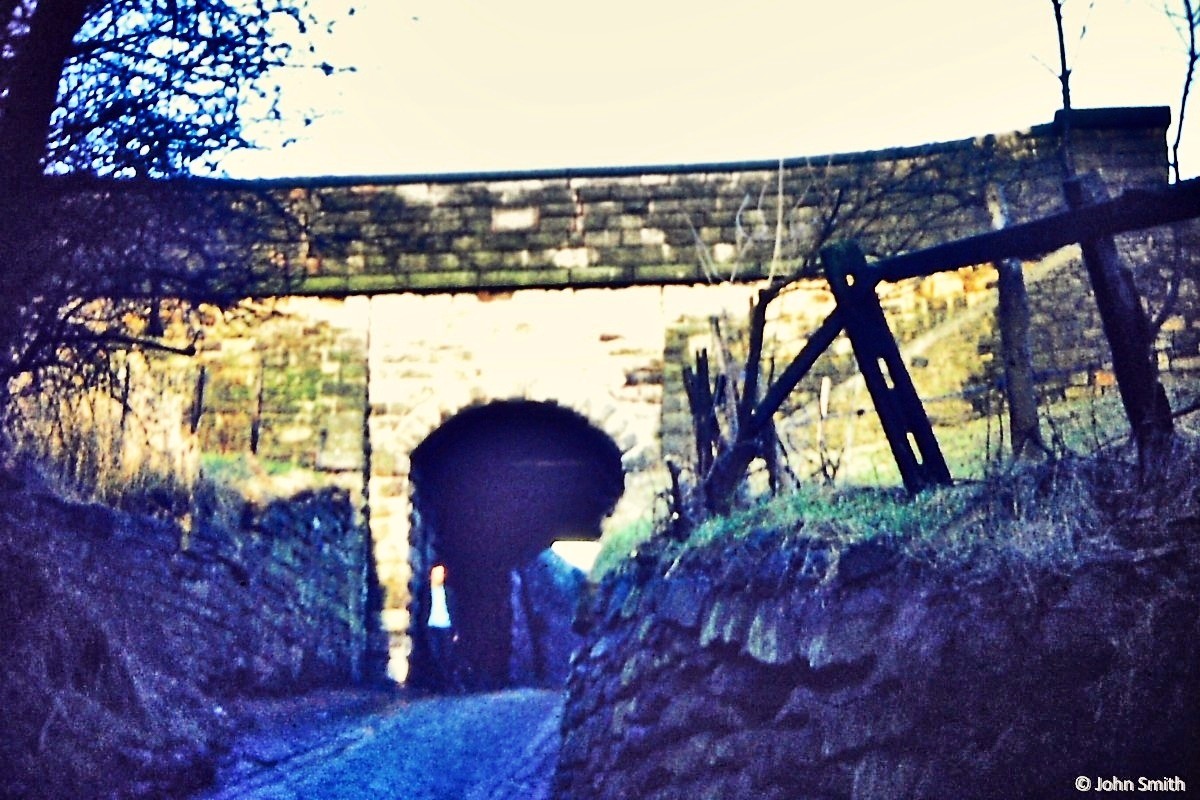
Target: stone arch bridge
[{"x": 416, "y": 298}]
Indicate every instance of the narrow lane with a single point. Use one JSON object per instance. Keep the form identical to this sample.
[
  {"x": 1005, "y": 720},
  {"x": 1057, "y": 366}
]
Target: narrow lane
[{"x": 498, "y": 746}]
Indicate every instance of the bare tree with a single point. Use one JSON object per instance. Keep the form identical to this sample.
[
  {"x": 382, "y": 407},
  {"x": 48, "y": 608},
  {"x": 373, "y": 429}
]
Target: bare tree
[
  {"x": 1180, "y": 266},
  {"x": 1064, "y": 80},
  {"x": 138, "y": 87},
  {"x": 104, "y": 104}
]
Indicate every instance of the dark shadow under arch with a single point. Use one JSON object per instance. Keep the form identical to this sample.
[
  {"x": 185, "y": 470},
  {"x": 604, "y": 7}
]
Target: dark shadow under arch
[{"x": 493, "y": 487}]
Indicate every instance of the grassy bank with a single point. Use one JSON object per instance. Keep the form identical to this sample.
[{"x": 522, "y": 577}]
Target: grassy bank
[{"x": 1051, "y": 512}]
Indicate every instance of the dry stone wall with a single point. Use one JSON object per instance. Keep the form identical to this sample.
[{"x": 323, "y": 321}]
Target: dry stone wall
[
  {"x": 779, "y": 667},
  {"x": 124, "y": 634}
]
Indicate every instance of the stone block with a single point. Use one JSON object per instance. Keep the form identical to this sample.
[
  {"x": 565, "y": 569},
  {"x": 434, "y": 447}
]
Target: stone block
[
  {"x": 851, "y": 645},
  {"x": 728, "y": 621},
  {"x": 864, "y": 560},
  {"x": 771, "y": 638},
  {"x": 687, "y": 714},
  {"x": 425, "y": 281},
  {"x": 732, "y": 680},
  {"x": 591, "y": 275},
  {"x": 684, "y": 600},
  {"x": 688, "y": 757},
  {"x": 651, "y": 272},
  {"x": 524, "y": 277},
  {"x": 601, "y": 238},
  {"x": 572, "y": 257},
  {"x": 882, "y": 774}
]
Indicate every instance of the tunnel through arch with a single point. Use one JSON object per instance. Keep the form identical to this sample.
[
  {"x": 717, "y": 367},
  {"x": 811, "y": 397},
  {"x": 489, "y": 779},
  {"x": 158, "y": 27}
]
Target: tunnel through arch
[{"x": 493, "y": 487}]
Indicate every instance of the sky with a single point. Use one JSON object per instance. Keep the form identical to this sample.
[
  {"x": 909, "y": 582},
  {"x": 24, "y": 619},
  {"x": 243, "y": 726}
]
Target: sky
[{"x": 444, "y": 86}]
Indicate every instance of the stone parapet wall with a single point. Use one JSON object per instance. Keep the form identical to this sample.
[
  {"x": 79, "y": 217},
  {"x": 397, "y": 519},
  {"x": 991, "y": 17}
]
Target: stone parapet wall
[
  {"x": 647, "y": 225},
  {"x": 779, "y": 667}
]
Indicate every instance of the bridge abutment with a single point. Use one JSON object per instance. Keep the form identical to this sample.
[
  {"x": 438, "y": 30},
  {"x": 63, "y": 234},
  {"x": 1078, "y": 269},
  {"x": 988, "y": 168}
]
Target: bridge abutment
[{"x": 595, "y": 352}]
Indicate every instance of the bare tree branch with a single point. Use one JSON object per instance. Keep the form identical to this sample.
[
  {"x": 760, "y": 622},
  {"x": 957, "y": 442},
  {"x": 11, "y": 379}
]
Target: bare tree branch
[
  {"x": 126, "y": 88},
  {"x": 1064, "y": 79},
  {"x": 1186, "y": 23}
]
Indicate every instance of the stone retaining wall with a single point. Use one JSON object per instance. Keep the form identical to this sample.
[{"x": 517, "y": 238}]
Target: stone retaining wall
[
  {"x": 779, "y": 667},
  {"x": 124, "y": 634}
]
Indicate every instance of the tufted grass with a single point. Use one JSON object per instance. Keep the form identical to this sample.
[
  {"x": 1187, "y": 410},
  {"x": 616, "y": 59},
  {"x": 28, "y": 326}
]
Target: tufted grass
[
  {"x": 617, "y": 544},
  {"x": 1048, "y": 514},
  {"x": 1051, "y": 512},
  {"x": 1033, "y": 512},
  {"x": 1093, "y": 424}
]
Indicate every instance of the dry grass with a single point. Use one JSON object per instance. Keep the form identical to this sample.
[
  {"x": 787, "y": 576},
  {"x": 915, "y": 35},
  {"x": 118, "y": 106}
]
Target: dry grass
[
  {"x": 1046, "y": 515},
  {"x": 88, "y": 703}
]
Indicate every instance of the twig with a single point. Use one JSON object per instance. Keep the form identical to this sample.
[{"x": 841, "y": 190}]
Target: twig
[
  {"x": 1191, "y": 408},
  {"x": 44, "y": 733},
  {"x": 1064, "y": 78},
  {"x": 1189, "y": 21}
]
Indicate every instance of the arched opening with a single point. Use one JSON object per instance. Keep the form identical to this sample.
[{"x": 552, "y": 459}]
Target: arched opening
[{"x": 493, "y": 488}]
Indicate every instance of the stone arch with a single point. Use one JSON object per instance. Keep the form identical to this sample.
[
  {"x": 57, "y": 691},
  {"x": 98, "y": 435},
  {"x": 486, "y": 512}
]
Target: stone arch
[
  {"x": 494, "y": 486},
  {"x": 434, "y": 356}
]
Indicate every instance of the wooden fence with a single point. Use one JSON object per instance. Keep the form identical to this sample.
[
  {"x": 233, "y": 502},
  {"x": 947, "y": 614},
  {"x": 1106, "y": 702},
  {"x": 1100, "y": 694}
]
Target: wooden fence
[{"x": 1092, "y": 221}]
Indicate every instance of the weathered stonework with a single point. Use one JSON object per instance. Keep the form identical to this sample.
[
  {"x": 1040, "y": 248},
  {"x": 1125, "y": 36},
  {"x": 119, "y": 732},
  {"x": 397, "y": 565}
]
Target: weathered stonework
[
  {"x": 779, "y": 667},
  {"x": 643, "y": 225},
  {"x": 616, "y": 358},
  {"x": 431, "y": 357},
  {"x": 289, "y": 386},
  {"x": 415, "y": 298},
  {"x": 446, "y": 292},
  {"x": 127, "y": 636}
]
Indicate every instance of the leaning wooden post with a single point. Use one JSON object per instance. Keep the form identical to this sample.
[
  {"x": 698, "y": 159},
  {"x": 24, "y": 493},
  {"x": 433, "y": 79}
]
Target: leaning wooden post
[
  {"x": 1128, "y": 331},
  {"x": 900, "y": 411}
]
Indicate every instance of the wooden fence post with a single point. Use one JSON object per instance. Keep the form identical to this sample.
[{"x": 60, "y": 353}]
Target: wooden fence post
[
  {"x": 900, "y": 411},
  {"x": 1013, "y": 316},
  {"x": 1128, "y": 331},
  {"x": 702, "y": 402}
]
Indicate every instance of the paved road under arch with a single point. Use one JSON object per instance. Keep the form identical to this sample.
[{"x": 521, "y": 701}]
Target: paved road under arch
[{"x": 495, "y": 746}]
